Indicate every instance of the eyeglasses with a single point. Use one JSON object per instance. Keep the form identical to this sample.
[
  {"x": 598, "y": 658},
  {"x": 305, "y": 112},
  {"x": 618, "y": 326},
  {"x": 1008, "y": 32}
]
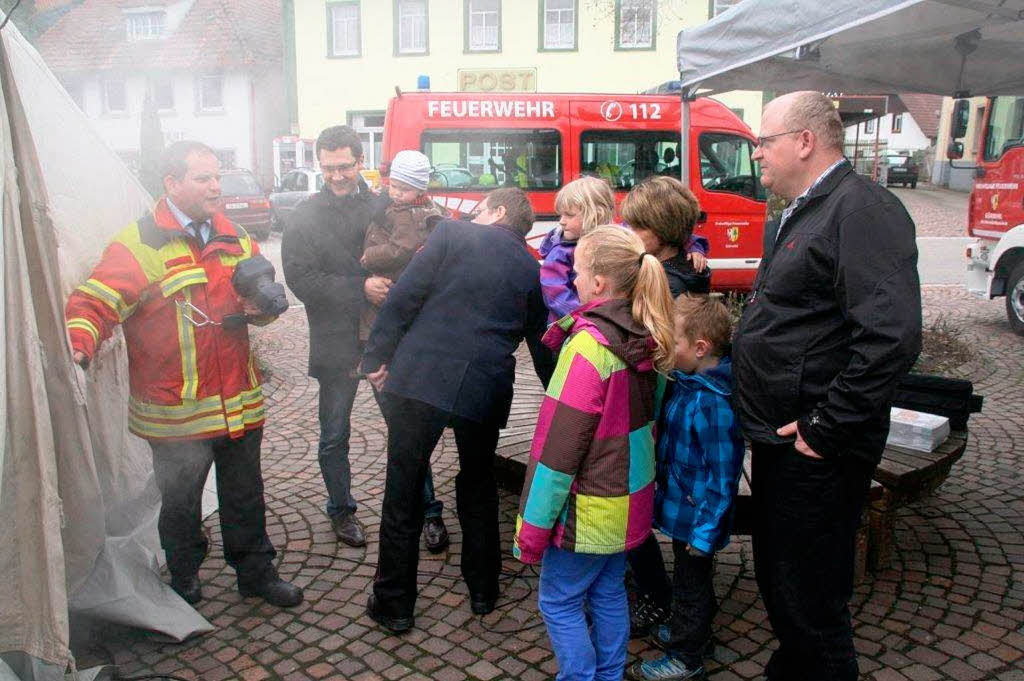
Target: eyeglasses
[
  {"x": 340, "y": 168},
  {"x": 762, "y": 140}
]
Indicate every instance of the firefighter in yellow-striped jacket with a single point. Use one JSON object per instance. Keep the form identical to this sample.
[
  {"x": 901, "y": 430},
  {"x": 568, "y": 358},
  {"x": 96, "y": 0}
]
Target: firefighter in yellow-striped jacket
[{"x": 195, "y": 389}]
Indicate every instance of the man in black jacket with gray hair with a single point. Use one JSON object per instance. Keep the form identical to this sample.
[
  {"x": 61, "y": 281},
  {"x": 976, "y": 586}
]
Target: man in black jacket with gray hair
[{"x": 833, "y": 323}]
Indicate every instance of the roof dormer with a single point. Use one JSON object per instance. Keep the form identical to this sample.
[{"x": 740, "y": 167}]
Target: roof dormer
[{"x": 144, "y": 23}]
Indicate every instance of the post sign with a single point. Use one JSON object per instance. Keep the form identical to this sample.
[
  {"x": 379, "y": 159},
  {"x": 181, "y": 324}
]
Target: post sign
[{"x": 497, "y": 80}]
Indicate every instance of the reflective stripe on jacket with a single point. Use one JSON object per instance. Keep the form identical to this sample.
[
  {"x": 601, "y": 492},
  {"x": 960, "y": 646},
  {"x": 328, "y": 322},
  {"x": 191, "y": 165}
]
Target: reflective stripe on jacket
[{"x": 186, "y": 381}]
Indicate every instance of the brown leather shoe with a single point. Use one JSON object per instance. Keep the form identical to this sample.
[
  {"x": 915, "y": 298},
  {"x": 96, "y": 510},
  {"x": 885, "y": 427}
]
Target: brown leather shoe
[
  {"x": 435, "y": 534},
  {"x": 348, "y": 529}
]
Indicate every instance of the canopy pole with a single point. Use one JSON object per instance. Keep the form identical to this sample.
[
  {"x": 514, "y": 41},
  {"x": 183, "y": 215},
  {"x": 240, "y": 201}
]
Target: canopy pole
[
  {"x": 856, "y": 145},
  {"x": 878, "y": 130},
  {"x": 684, "y": 137}
]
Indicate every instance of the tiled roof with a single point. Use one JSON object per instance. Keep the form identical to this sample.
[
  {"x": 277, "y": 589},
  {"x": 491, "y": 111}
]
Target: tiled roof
[
  {"x": 213, "y": 35},
  {"x": 925, "y": 110},
  {"x": 47, "y": 5}
]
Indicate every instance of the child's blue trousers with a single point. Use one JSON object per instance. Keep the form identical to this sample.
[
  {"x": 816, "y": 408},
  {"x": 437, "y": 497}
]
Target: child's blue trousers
[{"x": 568, "y": 581}]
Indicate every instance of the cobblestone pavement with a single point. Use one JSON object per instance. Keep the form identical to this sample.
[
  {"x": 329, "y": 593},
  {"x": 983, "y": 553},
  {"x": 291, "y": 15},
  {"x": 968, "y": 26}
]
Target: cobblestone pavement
[
  {"x": 949, "y": 607},
  {"x": 937, "y": 211}
]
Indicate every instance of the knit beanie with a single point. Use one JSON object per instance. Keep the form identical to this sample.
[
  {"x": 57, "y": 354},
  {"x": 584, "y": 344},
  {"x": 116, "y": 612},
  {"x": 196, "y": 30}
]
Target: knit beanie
[{"x": 412, "y": 168}]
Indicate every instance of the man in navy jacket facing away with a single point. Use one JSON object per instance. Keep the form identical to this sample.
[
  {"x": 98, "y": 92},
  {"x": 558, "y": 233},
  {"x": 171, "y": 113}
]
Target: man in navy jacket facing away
[{"x": 442, "y": 352}]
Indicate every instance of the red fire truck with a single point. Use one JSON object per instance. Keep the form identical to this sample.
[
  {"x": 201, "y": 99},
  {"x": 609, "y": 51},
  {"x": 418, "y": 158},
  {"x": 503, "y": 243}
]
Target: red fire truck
[
  {"x": 995, "y": 214},
  {"x": 540, "y": 142}
]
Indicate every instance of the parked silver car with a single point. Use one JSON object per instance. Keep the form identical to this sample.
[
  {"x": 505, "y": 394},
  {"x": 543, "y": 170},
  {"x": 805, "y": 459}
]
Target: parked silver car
[{"x": 295, "y": 186}]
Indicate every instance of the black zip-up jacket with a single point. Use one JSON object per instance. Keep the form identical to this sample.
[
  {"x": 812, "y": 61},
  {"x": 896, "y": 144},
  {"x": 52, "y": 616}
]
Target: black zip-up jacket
[
  {"x": 320, "y": 253},
  {"x": 834, "y": 320},
  {"x": 683, "y": 278}
]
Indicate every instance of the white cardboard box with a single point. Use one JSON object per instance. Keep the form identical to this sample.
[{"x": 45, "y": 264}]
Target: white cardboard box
[{"x": 917, "y": 430}]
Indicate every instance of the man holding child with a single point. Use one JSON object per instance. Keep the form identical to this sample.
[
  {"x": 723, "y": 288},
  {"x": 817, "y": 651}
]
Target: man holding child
[{"x": 341, "y": 255}]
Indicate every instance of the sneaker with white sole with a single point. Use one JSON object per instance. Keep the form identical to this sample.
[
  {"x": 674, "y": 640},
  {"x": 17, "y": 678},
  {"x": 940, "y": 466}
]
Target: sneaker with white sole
[{"x": 667, "y": 668}]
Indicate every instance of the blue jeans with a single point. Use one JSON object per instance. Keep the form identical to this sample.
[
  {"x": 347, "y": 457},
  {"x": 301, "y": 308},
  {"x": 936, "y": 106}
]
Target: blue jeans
[
  {"x": 568, "y": 581},
  {"x": 337, "y": 394}
]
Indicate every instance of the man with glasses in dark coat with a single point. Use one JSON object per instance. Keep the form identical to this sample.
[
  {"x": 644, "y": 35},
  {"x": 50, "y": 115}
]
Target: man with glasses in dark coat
[
  {"x": 833, "y": 323},
  {"x": 320, "y": 253}
]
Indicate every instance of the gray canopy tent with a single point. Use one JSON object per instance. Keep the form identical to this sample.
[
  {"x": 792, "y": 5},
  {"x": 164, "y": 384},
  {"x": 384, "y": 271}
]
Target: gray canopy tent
[
  {"x": 945, "y": 47},
  {"x": 78, "y": 505}
]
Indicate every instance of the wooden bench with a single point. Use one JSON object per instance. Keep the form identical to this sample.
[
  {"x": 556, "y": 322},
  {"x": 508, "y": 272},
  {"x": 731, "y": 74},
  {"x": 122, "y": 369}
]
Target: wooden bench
[{"x": 903, "y": 475}]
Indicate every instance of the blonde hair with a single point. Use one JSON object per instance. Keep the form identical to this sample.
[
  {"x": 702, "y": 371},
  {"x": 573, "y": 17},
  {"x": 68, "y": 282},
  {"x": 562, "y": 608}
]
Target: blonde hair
[
  {"x": 705, "y": 318},
  {"x": 591, "y": 198},
  {"x": 662, "y": 205},
  {"x": 618, "y": 254}
]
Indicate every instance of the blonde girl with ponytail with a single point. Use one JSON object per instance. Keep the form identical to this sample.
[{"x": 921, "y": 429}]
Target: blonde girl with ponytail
[{"x": 589, "y": 492}]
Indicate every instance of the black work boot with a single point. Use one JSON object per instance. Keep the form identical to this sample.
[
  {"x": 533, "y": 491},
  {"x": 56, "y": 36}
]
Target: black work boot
[
  {"x": 188, "y": 588},
  {"x": 271, "y": 588}
]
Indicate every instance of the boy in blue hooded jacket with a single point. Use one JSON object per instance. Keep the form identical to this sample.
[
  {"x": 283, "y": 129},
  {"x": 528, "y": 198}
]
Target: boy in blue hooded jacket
[{"x": 699, "y": 461}]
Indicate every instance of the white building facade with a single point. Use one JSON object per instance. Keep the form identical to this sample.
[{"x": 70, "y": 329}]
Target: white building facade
[
  {"x": 215, "y": 109},
  {"x": 895, "y": 133},
  {"x": 212, "y": 68}
]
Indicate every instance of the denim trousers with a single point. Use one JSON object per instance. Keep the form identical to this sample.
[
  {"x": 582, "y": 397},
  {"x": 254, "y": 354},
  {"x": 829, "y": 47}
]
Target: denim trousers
[
  {"x": 570, "y": 582},
  {"x": 806, "y": 514},
  {"x": 337, "y": 395},
  {"x": 180, "y": 470},
  {"x": 414, "y": 429}
]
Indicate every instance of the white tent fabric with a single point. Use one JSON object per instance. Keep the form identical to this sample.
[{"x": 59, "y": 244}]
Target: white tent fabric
[
  {"x": 863, "y": 46},
  {"x": 78, "y": 505}
]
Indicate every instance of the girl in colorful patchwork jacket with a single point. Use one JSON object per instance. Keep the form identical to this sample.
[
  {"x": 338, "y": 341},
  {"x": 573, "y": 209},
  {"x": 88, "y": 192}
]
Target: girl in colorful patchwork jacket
[{"x": 589, "y": 489}]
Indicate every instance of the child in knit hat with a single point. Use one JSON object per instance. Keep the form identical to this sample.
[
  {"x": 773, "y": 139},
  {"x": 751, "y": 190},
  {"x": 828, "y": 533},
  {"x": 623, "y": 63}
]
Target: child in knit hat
[
  {"x": 392, "y": 238},
  {"x": 395, "y": 235}
]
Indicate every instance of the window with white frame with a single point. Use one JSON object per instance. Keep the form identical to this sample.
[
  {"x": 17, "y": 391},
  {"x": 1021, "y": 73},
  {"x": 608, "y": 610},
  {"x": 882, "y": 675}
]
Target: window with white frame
[
  {"x": 559, "y": 24},
  {"x": 484, "y": 25},
  {"x": 114, "y": 100},
  {"x": 163, "y": 93},
  {"x": 370, "y": 128},
  {"x": 144, "y": 25},
  {"x": 211, "y": 93},
  {"x": 869, "y": 126},
  {"x": 897, "y": 123},
  {"x": 719, "y": 6},
  {"x": 345, "y": 30},
  {"x": 636, "y": 23},
  {"x": 412, "y": 26}
]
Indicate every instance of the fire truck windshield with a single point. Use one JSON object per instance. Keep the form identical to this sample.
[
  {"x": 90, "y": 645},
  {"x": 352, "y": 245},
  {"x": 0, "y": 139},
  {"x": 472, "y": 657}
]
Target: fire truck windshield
[{"x": 1005, "y": 126}]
